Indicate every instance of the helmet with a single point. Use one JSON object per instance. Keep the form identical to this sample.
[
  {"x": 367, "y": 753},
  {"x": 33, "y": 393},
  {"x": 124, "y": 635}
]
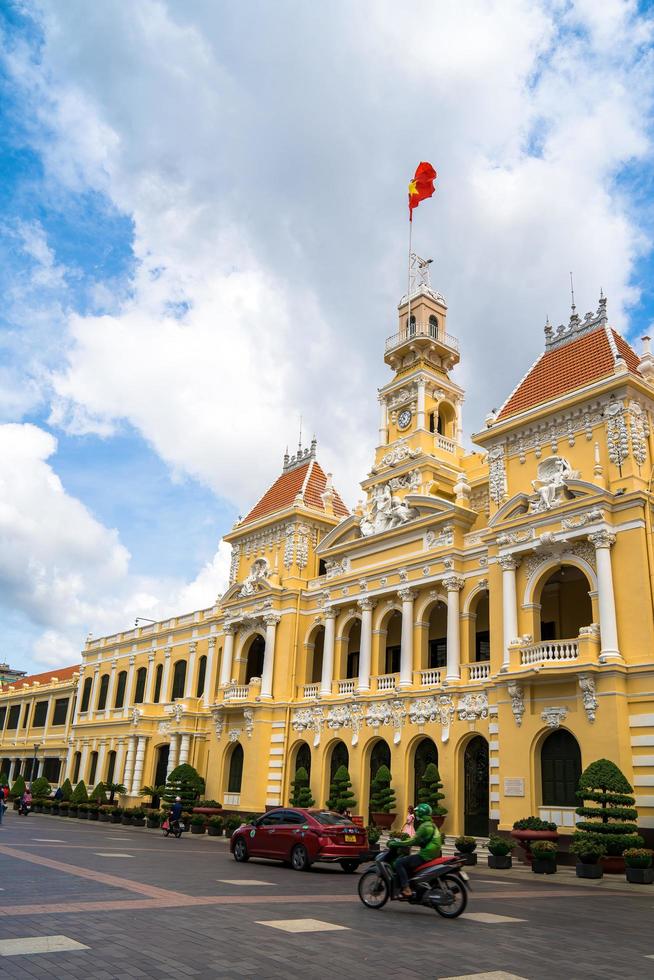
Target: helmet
[
  {"x": 178, "y": 799},
  {"x": 422, "y": 811}
]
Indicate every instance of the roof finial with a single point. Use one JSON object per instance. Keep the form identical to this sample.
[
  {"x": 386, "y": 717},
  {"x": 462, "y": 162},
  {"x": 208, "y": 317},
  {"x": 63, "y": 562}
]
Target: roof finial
[
  {"x": 299, "y": 442},
  {"x": 572, "y": 293}
]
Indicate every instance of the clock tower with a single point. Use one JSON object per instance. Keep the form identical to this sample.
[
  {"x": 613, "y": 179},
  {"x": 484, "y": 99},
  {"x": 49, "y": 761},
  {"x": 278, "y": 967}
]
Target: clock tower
[{"x": 420, "y": 431}]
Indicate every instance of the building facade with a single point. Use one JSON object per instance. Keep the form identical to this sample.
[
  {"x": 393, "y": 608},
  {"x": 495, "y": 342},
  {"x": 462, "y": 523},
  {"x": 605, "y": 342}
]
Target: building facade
[{"x": 491, "y": 611}]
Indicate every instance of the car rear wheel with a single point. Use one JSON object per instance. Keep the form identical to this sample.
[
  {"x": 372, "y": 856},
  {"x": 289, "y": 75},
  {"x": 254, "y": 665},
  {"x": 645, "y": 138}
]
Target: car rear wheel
[
  {"x": 349, "y": 867},
  {"x": 300, "y": 858},
  {"x": 241, "y": 851}
]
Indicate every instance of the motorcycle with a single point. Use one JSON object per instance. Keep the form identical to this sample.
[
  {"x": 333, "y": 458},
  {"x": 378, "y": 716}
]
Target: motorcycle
[
  {"x": 173, "y": 827},
  {"x": 440, "y": 884},
  {"x": 24, "y": 809}
]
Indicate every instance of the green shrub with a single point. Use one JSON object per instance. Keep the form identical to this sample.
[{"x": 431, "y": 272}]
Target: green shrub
[
  {"x": 99, "y": 793},
  {"x": 612, "y": 815},
  {"x": 40, "y": 787},
  {"x": 534, "y": 823},
  {"x": 18, "y": 788},
  {"x": 79, "y": 793},
  {"x": 341, "y": 797},
  {"x": 500, "y": 846},
  {"x": 66, "y": 790},
  {"x": 374, "y": 834},
  {"x": 638, "y": 857},
  {"x": 116, "y": 811},
  {"x": 115, "y": 788},
  {"x": 138, "y": 813},
  {"x": 465, "y": 845},
  {"x": 232, "y": 824},
  {"x": 430, "y": 790},
  {"x": 184, "y": 781},
  {"x": 209, "y": 803},
  {"x": 589, "y": 848},
  {"x": 382, "y": 795},
  {"x": 544, "y": 850},
  {"x": 198, "y": 820},
  {"x": 301, "y": 792},
  {"x": 216, "y": 822},
  {"x": 4, "y": 779}
]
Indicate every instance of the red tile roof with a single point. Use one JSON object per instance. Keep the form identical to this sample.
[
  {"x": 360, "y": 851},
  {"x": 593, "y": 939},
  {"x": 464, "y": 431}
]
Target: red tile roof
[
  {"x": 308, "y": 479},
  {"x": 63, "y": 673},
  {"x": 568, "y": 367}
]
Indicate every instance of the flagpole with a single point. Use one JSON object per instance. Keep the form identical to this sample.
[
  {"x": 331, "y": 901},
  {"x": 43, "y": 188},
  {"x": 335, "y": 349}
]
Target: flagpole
[{"x": 408, "y": 292}]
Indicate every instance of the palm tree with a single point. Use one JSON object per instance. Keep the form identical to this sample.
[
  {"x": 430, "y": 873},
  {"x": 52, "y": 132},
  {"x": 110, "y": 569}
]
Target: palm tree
[
  {"x": 152, "y": 792},
  {"x": 114, "y": 788}
]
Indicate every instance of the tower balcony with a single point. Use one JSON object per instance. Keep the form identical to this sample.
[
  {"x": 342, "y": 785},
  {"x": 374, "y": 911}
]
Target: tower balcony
[{"x": 422, "y": 337}]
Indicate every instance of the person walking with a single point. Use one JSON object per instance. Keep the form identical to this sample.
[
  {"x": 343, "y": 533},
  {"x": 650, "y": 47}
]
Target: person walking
[
  {"x": 409, "y": 823},
  {"x": 25, "y": 802}
]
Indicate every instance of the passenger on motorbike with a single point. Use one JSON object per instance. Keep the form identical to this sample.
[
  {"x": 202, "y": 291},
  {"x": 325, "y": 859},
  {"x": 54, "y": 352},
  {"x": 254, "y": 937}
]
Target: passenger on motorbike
[
  {"x": 175, "y": 813},
  {"x": 427, "y": 837}
]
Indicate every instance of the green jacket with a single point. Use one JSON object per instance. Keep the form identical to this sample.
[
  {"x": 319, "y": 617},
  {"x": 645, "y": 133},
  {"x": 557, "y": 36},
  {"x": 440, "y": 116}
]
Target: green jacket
[{"x": 427, "y": 837}]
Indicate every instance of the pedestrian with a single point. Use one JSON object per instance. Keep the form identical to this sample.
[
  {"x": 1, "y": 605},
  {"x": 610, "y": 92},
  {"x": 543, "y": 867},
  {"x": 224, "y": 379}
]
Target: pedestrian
[
  {"x": 409, "y": 823},
  {"x": 58, "y": 795}
]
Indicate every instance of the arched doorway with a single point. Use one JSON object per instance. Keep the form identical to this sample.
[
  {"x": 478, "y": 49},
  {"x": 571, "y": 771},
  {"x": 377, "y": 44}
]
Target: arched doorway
[
  {"x": 339, "y": 757},
  {"x": 303, "y": 758},
  {"x": 560, "y": 767},
  {"x": 475, "y": 787},
  {"x": 161, "y": 768},
  {"x": 565, "y": 604},
  {"x": 235, "y": 776},
  {"x": 380, "y": 756},
  {"x": 426, "y": 753},
  {"x": 254, "y": 664}
]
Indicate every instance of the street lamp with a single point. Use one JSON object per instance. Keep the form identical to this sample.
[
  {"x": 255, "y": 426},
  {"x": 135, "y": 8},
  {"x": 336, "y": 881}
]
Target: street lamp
[{"x": 37, "y": 746}]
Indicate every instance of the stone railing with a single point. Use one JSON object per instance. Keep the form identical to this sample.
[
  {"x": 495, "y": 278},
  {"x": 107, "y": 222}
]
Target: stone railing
[
  {"x": 387, "y": 682},
  {"x": 549, "y": 651},
  {"x": 310, "y": 690},
  {"x": 237, "y": 692},
  {"x": 478, "y": 671},
  {"x": 430, "y": 677},
  {"x": 419, "y": 330},
  {"x": 346, "y": 686},
  {"x": 447, "y": 445}
]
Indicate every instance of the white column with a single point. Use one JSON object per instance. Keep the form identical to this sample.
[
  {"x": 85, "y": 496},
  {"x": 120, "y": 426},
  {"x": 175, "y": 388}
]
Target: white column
[
  {"x": 94, "y": 692},
  {"x": 84, "y": 759},
  {"x": 99, "y": 769},
  {"x": 189, "y": 690},
  {"x": 406, "y": 656},
  {"x": 383, "y": 423},
  {"x": 129, "y": 687},
  {"x": 149, "y": 680},
  {"x": 184, "y": 748},
  {"x": 112, "y": 687},
  {"x": 228, "y": 651},
  {"x": 420, "y": 421},
  {"x": 366, "y": 606},
  {"x": 271, "y": 621},
  {"x": 209, "y": 682},
  {"x": 508, "y": 564},
  {"x": 603, "y": 541},
  {"x": 165, "y": 680},
  {"x": 66, "y": 769},
  {"x": 453, "y": 584},
  {"x": 78, "y": 698},
  {"x": 138, "y": 766},
  {"x": 459, "y": 421},
  {"x": 129, "y": 763},
  {"x": 172, "y": 754},
  {"x": 120, "y": 757},
  {"x": 47, "y": 719},
  {"x": 328, "y": 653}
]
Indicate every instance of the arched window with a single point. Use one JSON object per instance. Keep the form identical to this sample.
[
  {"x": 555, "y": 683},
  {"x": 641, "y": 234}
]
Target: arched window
[
  {"x": 119, "y": 700},
  {"x": 111, "y": 767},
  {"x": 235, "y": 770},
  {"x": 202, "y": 674},
  {"x": 86, "y": 694},
  {"x": 433, "y": 327},
  {"x": 157, "y": 683},
  {"x": 426, "y": 752},
  {"x": 560, "y": 766},
  {"x": 77, "y": 759},
  {"x": 303, "y": 758},
  {"x": 139, "y": 694},
  {"x": 412, "y": 326},
  {"x": 353, "y": 649},
  {"x": 380, "y": 756},
  {"x": 565, "y": 605},
  {"x": 179, "y": 680},
  {"x": 93, "y": 768},
  {"x": 254, "y": 666},
  {"x": 340, "y": 757},
  {"x": 102, "y": 696}
]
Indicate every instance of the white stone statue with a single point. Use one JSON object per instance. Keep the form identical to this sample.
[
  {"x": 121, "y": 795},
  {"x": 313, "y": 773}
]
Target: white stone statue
[
  {"x": 385, "y": 511},
  {"x": 257, "y": 577},
  {"x": 553, "y": 474}
]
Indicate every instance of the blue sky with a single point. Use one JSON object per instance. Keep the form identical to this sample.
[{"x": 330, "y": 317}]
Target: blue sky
[{"x": 201, "y": 240}]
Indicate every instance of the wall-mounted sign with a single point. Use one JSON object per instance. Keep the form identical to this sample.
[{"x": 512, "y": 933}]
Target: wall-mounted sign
[{"x": 514, "y": 787}]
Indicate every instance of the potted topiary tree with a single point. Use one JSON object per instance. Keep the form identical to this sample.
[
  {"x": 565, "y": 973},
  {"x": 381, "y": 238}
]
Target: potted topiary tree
[
  {"x": 382, "y": 799},
  {"x": 138, "y": 817},
  {"x": 79, "y": 793},
  {"x": 197, "y": 823},
  {"x": 72, "y": 809},
  {"x": 430, "y": 792},
  {"x": 126, "y": 817},
  {"x": 99, "y": 794},
  {"x": 531, "y": 829},
  {"x": 374, "y": 835},
  {"x": 500, "y": 848},
  {"x": 232, "y": 823},
  {"x": 116, "y": 814},
  {"x": 465, "y": 848},
  {"x": 341, "y": 797},
  {"x": 301, "y": 791},
  {"x": 104, "y": 813},
  {"x": 17, "y": 790},
  {"x": 611, "y": 815},
  {"x": 638, "y": 865},
  {"x": 543, "y": 857},
  {"x": 184, "y": 781},
  {"x": 40, "y": 790},
  {"x": 589, "y": 850},
  {"x": 153, "y": 819},
  {"x": 66, "y": 790},
  {"x": 215, "y": 826}
]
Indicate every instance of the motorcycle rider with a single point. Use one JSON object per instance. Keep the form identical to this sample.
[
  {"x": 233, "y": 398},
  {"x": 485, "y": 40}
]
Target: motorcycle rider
[
  {"x": 175, "y": 813},
  {"x": 427, "y": 837}
]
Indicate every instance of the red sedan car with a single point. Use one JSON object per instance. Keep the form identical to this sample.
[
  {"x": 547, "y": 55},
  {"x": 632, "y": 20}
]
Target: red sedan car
[{"x": 300, "y": 837}]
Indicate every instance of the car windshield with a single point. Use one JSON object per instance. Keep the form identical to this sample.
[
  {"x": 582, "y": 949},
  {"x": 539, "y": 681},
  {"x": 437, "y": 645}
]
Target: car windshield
[{"x": 328, "y": 819}]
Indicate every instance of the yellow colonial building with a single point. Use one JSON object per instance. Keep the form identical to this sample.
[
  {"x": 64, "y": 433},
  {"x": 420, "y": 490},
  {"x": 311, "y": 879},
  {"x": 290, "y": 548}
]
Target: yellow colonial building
[{"x": 492, "y": 610}]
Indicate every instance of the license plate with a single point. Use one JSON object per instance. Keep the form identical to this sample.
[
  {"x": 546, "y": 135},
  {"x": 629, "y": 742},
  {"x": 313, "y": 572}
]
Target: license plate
[{"x": 350, "y": 838}]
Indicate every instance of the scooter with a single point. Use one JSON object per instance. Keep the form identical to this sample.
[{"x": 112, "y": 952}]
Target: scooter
[
  {"x": 440, "y": 884},
  {"x": 175, "y": 828},
  {"x": 24, "y": 809}
]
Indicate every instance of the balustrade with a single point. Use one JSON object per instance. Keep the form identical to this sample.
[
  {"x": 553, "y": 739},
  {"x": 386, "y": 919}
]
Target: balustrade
[
  {"x": 240, "y": 692},
  {"x": 478, "y": 671},
  {"x": 310, "y": 690},
  {"x": 387, "y": 682},
  {"x": 347, "y": 686},
  {"x": 430, "y": 678},
  {"x": 550, "y": 651}
]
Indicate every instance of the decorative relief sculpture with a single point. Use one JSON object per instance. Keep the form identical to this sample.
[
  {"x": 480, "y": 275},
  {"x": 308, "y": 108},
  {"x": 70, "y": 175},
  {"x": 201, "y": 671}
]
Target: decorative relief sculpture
[
  {"x": 497, "y": 474},
  {"x": 517, "y": 695},
  {"x": 163, "y": 728},
  {"x": 176, "y": 711},
  {"x": 516, "y": 537},
  {"x": 441, "y": 538},
  {"x": 639, "y": 430},
  {"x": 385, "y": 511},
  {"x": 588, "y": 695},
  {"x": 289, "y": 546},
  {"x": 335, "y": 568},
  {"x": 554, "y": 716},
  {"x": 233, "y": 563},
  {"x": 387, "y": 713},
  {"x": 471, "y": 707},
  {"x": 617, "y": 436},
  {"x": 309, "y": 719},
  {"x": 580, "y": 520},
  {"x": 218, "y": 716},
  {"x": 233, "y": 734},
  {"x": 434, "y": 709},
  {"x": 551, "y": 485},
  {"x": 248, "y": 719},
  {"x": 256, "y": 580},
  {"x": 302, "y": 546},
  {"x": 408, "y": 481},
  {"x": 398, "y": 454}
]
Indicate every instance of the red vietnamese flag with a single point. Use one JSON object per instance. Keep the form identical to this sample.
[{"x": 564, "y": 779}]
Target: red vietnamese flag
[{"x": 422, "y": 186}]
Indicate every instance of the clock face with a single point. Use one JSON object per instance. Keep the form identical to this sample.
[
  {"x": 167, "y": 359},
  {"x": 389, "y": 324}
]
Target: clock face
[{"x": 404, "y": 419}]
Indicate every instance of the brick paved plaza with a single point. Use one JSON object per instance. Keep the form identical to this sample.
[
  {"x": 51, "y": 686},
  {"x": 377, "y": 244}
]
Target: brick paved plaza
[{"x": 111, "y": 903}]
